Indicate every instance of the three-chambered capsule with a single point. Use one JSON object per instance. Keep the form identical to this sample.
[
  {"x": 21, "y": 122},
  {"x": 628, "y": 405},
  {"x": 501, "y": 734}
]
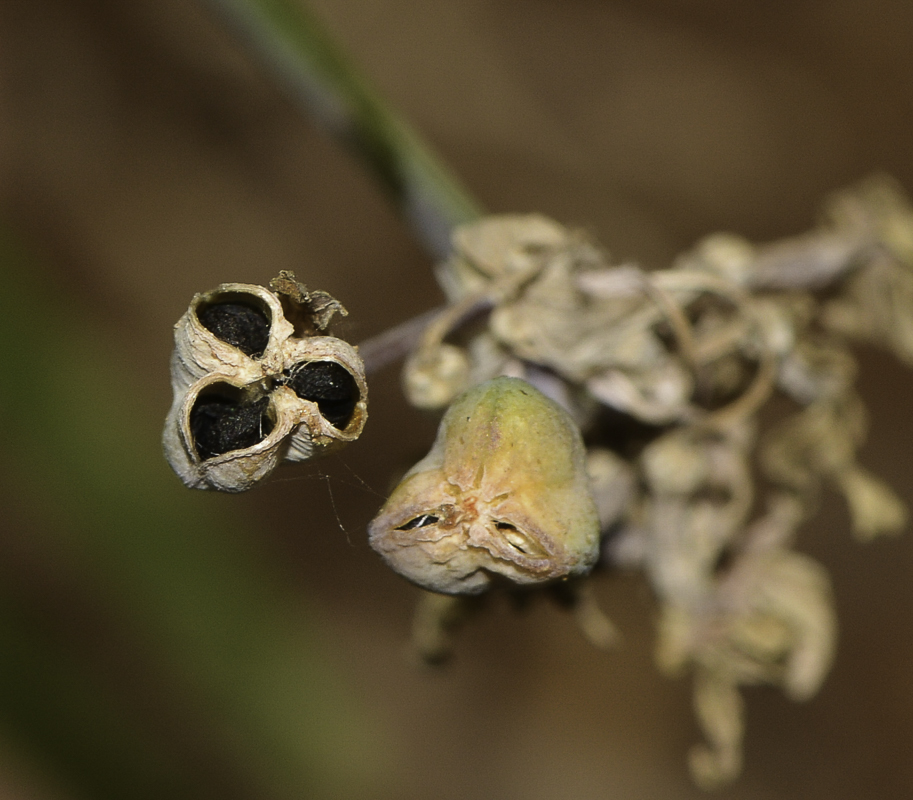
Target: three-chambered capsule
[{"x": 255, "y": 383}]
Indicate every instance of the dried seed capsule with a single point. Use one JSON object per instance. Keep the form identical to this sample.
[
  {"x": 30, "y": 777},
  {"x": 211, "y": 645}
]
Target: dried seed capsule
[
  {"x": 503, "y": 492},
  {"x": 253, "y": 388}
]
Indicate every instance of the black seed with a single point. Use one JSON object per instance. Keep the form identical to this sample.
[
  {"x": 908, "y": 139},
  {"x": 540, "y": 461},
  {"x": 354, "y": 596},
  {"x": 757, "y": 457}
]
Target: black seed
[
  {"x": 328, "y": 384},
  {"x": 419, "y": 522},
  {"x": 220, "y": 424},
  {"x": 240, "y": 325}
]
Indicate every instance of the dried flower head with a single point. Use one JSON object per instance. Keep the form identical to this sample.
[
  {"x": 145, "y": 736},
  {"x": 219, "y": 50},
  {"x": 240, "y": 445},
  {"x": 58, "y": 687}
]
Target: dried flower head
[
  {"x": 256, "y": 381},
  {"x": 666, "y": 372},
  {"x": 503, "y": 492}
]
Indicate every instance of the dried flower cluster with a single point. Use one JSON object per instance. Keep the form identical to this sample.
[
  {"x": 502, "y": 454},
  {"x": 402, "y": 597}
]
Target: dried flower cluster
[
  {"x": 667, "y": 374},
  {"x": 257, "y": 381},
  {"x": 681, "y": 422}
]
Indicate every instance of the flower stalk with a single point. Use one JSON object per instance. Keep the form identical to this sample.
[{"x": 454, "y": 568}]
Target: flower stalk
[{"x": 291, "y": 43}]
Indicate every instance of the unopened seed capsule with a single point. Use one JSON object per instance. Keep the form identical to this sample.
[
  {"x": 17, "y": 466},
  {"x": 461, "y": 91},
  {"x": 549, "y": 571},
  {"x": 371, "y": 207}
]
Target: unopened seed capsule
[{"x": 503, "y": 493}]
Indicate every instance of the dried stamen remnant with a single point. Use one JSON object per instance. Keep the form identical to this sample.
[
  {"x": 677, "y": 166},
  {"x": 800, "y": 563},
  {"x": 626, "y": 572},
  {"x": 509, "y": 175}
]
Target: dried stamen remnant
[
  {"x": 241, "y": 325},
  {"x": 222, "y": 422},
  {"x": 328, "y": 384}
]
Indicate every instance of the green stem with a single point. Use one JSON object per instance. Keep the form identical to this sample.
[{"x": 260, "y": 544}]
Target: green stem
[{"x": 318, "y": 74}]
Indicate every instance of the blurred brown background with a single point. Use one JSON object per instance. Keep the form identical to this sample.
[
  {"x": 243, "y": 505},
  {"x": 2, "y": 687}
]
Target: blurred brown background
[{"x": 144, "y": 157}]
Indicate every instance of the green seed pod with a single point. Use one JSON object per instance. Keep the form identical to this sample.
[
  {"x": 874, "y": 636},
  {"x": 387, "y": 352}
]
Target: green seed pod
[{"x": 503, "y": 491}]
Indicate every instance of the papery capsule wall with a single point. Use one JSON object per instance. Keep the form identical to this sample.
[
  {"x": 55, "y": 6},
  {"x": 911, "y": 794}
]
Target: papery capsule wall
[{"x": 250, "y": 391}]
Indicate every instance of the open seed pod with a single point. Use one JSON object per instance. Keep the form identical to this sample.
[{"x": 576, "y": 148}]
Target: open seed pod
[
  {"x": 503, "y": 492},
  {"x": 255, "y": 384}
]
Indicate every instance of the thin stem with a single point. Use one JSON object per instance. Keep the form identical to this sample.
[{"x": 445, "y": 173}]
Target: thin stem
[
  {"x": 395, "y": 343},
  {"x": 321, "y": 77},
  {"x": 427, "y": 329}
]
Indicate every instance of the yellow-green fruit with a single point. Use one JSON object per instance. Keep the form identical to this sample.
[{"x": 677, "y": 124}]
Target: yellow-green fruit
[{"x": 503, "y": 491}]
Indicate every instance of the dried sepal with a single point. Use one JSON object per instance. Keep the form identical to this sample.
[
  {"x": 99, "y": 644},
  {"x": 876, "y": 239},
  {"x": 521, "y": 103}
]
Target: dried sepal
[
  {"x": 876, "y": 209},
  {"x": 591, "y": 620},
  {"x": 771, "y": 621},
  {"x": 719, "y": 708},
  {"x": 612, "y": 483},
  {"x": 657, "y": 395},
  {"x": 876, "y": 306},
  {"x": 875, "y": 302},
  {"x": 254, "y": 385},
  {"x": 436, "y": 619},
  {"x": 318, "y": 308},
  {"x": 698, "y": 497},
  {"x": 498, "y": 247},
  {"x": 874, "y": 507},
  {"x": 816, "y": 370},
  {"x": 725, "y": 254},
  {"x": 435, "y": 376},
  {"x": 820, "y": 443},
  {"x": 503, "y": 492},
  {"x": 554, "y": 323},
  {"x": 777, "y": 623}
]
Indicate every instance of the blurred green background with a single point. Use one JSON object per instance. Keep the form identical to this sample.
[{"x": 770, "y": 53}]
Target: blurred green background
[{"x": 156, "y": 642}]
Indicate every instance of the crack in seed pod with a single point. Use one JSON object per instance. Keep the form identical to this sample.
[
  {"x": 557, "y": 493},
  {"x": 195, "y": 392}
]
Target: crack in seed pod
[
  {"x": 239, "y": 324},
  {"x": 328, "y": 384},
  {"x": 422, "y": 521},
  {"x": 222, "y": 421}
]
